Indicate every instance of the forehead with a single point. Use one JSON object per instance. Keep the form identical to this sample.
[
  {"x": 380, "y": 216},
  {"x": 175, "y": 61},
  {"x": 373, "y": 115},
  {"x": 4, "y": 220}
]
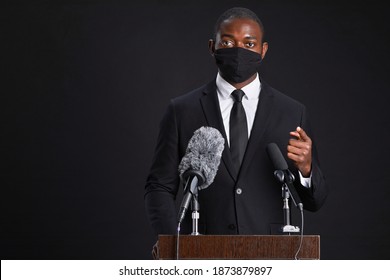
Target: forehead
[{"x": 240, "y": 27}]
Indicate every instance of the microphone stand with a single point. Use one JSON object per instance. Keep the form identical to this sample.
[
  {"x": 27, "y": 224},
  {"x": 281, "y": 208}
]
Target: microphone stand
[
  {"x": 195, "y": 213},
  {"x": 286, "y": 177}
]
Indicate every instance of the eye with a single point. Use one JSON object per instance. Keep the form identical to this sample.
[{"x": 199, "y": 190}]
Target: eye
[
  {"x": 250, "y": 44},
  {"x": 227, "y": 44}
]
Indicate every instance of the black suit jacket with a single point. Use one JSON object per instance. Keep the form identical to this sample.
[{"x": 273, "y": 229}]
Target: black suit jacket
[{"x": 248, "y": 201}]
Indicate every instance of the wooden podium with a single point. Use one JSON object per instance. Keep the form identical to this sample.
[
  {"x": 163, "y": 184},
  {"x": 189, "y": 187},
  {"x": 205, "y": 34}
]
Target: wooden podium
[{"x": 271, "y": 247}]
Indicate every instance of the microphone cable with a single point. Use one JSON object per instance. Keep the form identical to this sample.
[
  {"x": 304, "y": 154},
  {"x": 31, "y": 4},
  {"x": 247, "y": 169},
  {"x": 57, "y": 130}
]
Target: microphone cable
[{"x": 301, "y": 236}]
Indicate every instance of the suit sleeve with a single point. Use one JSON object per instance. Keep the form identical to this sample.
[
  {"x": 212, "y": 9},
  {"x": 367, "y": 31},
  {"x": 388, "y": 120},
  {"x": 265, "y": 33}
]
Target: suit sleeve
[
  {"x": 314, "y": 197},
  {"x": 163, "y": 180}
]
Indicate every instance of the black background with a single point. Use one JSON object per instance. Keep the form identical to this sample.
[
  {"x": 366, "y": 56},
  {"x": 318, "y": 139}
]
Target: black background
[{"x": 84, "y": 85}]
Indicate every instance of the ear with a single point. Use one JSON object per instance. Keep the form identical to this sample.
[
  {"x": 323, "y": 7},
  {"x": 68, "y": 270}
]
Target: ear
[
  {"x": 211, "y": 46},
  {"x": 264, "y": 50}
]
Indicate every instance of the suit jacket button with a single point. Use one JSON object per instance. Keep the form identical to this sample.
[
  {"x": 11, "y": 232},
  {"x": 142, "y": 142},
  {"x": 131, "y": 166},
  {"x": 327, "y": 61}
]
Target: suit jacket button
[
  {"x": 232, "y": 226},
  {"x": 238, "y": 191}
]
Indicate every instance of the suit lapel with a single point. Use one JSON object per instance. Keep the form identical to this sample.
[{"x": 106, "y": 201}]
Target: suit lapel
[
  {"x": 263, "y": 115},
  {"x": 211, "y": 109},
  {"x": 212, "y": 112}
]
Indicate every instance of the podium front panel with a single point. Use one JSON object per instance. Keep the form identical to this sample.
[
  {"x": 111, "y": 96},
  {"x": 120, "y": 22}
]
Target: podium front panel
[{"x": 239, "y": 247}]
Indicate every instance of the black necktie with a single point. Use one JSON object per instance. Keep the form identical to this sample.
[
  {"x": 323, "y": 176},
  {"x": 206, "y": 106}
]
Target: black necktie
[{"x": 238, "y": 129}]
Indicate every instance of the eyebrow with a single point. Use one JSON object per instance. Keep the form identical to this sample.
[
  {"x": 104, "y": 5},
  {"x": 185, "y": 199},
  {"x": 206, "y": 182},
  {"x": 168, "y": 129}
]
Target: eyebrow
[
  {"x": 232, "y": 36},
  {"x": 250, "y": 37}
]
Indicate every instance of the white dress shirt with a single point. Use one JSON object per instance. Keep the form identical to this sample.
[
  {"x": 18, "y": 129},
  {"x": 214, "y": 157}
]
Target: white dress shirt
[{"x": 249, "y": 101}]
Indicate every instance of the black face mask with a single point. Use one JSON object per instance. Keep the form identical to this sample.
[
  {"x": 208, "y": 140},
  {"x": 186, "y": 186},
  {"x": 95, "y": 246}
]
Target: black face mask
[{"x": 237, "y": 65}]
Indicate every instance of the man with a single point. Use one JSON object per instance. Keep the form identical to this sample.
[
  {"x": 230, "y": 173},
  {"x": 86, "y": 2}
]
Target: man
[{"x": 244, "y": 198}]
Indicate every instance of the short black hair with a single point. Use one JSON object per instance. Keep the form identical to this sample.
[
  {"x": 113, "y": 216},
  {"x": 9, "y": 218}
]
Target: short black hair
[{"x": 237, "y": 12}]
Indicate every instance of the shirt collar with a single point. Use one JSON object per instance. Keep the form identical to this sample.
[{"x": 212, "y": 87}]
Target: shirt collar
[{"x": 252, "y": 90}]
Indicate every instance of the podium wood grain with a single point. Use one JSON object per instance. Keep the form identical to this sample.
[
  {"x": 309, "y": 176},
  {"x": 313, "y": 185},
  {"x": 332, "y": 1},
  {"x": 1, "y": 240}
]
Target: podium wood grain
[{"x": 239, "y": 247}]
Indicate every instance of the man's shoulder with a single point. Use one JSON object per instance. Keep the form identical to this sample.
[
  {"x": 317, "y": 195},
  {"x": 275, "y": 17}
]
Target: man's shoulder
[
  {"x": 196, "y": 93},
  {"x": 280, "y": 97}
]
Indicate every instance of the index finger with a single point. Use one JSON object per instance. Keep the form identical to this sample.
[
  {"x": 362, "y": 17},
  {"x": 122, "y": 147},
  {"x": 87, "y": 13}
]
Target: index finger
[{"x": 302, "y": 134}]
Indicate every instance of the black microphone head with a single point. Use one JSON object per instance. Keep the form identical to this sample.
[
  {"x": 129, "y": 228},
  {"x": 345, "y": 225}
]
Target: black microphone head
[
  {"x": 276, "y": 157},
  {"x": 203, "y": 154}
]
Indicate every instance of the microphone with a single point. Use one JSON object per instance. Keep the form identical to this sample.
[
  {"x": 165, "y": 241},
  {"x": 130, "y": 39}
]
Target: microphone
[
  {"x": 282, "y": 173},
  {"x": 200, "y": 163}
]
